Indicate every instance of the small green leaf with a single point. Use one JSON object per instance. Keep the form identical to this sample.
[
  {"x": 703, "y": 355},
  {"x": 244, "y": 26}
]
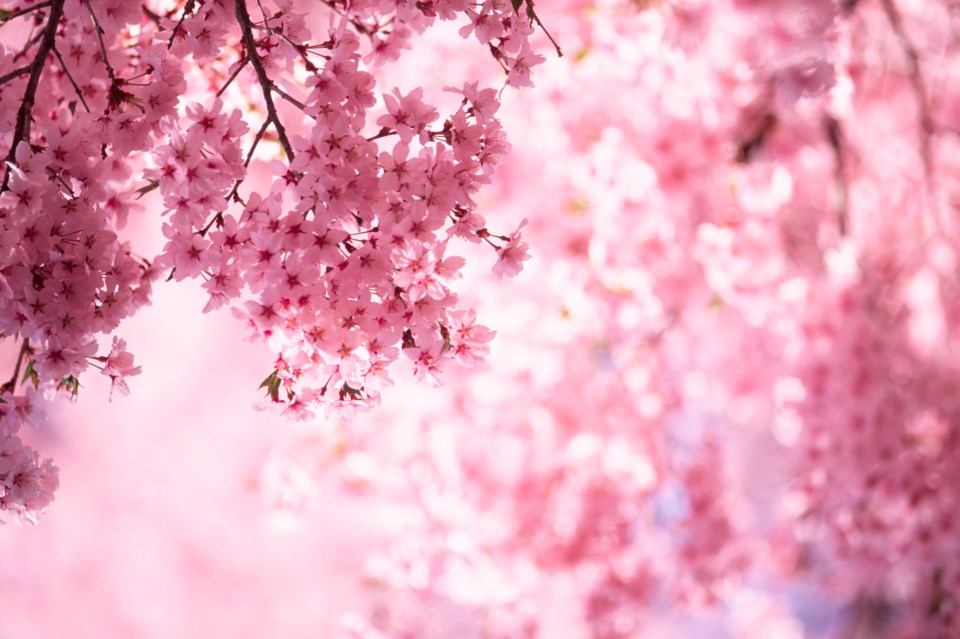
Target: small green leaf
[
  {"x": 146, "y": 189},
  {"x": 31, "y": 374},
  {"x": 70, "y": 384},
  {"x": 272, "y": 384},
  {"x": 517, "y": 4}
]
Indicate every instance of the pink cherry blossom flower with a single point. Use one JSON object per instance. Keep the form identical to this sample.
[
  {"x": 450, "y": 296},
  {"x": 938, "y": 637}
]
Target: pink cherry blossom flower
[
  {"x": 512, "y": 255},
  {"x": 119, "y": 366}
]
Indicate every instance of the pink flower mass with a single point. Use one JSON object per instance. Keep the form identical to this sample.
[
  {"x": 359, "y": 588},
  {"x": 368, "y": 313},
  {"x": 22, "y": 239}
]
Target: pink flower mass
[{"x": 477, "y": 319}]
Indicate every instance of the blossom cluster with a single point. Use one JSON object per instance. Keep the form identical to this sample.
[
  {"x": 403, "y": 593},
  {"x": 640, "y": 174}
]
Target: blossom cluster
[{"x": 342, "y": 261}]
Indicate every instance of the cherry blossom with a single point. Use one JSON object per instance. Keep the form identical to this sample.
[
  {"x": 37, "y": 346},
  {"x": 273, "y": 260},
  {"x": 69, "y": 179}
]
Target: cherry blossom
[{"x": 179, "y": 103}]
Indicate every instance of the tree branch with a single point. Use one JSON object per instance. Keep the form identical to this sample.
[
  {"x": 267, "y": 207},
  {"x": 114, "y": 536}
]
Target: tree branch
[
  {"x": 103, "y": 48},
  {"x": 151, "y": 14},
  {"x": 21, "y": 131},
  {"x": 187, "y": 10},
  {"x": 16, "y": 73},
  {"x": 289, "y": 98},
  {"x": 266, "y": 85},
  {"x": 233, "y": 75},
  {"x": 835, "y": 137}
]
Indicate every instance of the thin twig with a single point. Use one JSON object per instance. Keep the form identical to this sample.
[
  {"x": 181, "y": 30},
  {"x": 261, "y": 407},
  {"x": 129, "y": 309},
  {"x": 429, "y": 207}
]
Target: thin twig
[
  {"x": 34, "y": 38},
  {"x": 370, "y": 32},
  {"x": 289, "y": 98},
  {"x": 23, "y": 12},
  {"x": 266, "y": 85},
  {"x": 103, "y": 48},
  {"x": 382, "y": 133},
  {"x": 535, "y": 18},
  {"x": 218, "y": 218},
  {"x": 256, "y": 141},
  {"x": 246, "y": 164},
  {"x": 152, "y": 15},
  {"x": 300, "y": 50},
  {"x": 66, "y": 71},
  {"x": 835, "y": 137},
  {"x": 233, "y": 76},
  {"x": 265, "y": 18},
  {"x": 187, "y": 10},
  {"x": 59, "y": 178},
  {"x": 16, "y": 73}
]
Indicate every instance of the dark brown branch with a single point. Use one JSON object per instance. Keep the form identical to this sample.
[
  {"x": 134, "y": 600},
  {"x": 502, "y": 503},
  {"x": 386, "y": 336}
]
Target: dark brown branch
[
  {"x": 835, "y": 138},
  {"x": 289, "y": 98},
  {"x": 21, "y": 131},
  {"x": 749, "y": 147},
  {"x": 266, "y": 85},
  {"x": 187, "y": 10},
  {"x": 151, "y": 14},
  {"x": 382, "y": 133},
  {"x": 232, "y": 195},
  {"x": 16, "y": 73},
  {"x": 217, "y": 219},
  {"x": 23, "y": 12},
  {"x": 534, "y": 18},
  {"x": 54, "y": 175},
  {"x": 256, "y": 141},
  {"x": 103, "y": 48},
  {"x": 233, "y": 76}
]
